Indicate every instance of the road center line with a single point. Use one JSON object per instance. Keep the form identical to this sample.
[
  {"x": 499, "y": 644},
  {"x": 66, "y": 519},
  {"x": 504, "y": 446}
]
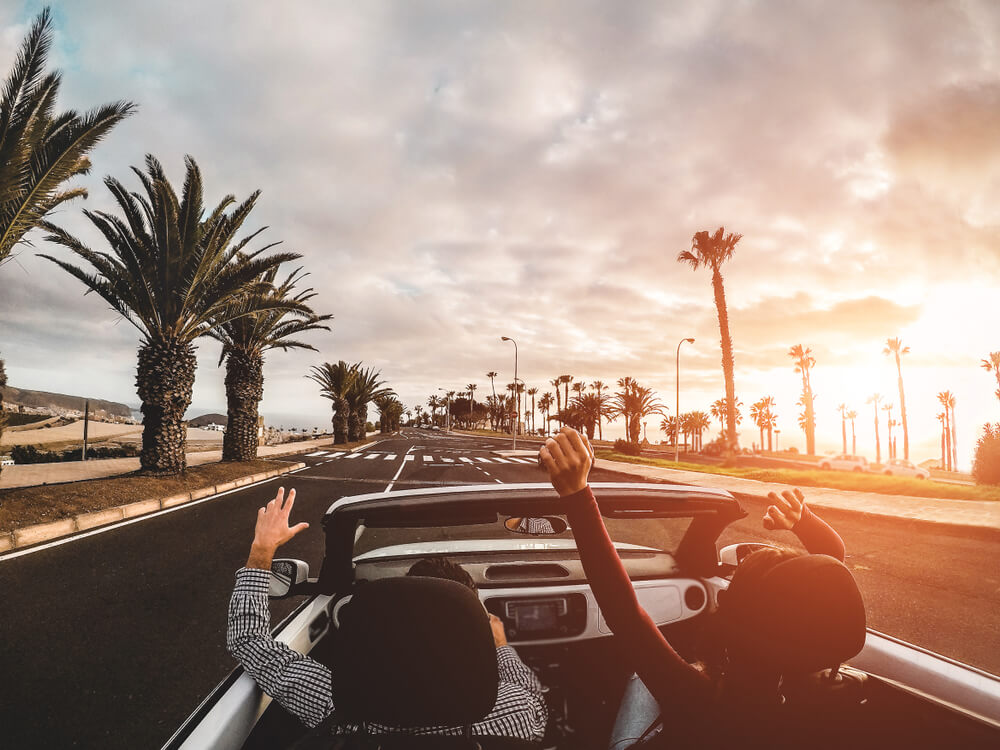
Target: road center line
[{"x": 406, "y": 457}]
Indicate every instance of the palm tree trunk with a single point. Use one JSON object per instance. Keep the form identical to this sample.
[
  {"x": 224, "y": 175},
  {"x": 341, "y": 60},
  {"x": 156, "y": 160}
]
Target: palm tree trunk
[
  {"x": 244, "y": 390},
  {"x": 954, "y": 442},
  {"x": 164, "y": 379},
  {"x": 854, "y": 442},
  {"x": 944, "y": 461},
  {"x": 770, "y": 432},
  {"x": 727, "y": 360},
  {"x": 843, "y": 431},
  {"x": 878, "y": 445},
  {"x": 340, "y": 419},
  {"x": 902, "y": 409},
  {"x": 947, "y": 432}
]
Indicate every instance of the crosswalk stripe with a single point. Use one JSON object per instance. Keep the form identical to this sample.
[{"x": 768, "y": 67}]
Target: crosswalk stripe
[
  {"x": 353, "y": 455},
  {"x": 317, "y": 453},
  {"x": 463, "y": 459},
  {"x": 482, "y": 460},
  {"x": 371, "y": 456},
  {"x": 408, "y": 458},
  {"x": 390, "y": 457},
  {"x": 338, "y": 454},
  {"x": 448, "y": 460},
  {"x": 523, "y": 460},
  {"x": 428, "y": 458},
  {"x": 501, "y": 460}
]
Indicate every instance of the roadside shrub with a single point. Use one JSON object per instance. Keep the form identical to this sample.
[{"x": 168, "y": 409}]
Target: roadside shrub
[
  {"x": 29, "y": 454},
  {"x": 986, "y": 464},
  {"x": 629, "y": 449},
  {"x": 17, "y": 419}
]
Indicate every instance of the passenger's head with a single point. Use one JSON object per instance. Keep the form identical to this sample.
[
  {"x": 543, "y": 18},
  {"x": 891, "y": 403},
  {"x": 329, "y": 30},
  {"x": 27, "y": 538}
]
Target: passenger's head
[
  {"x": 442, "y": 567},
  {"x": 791, "y": 614}
]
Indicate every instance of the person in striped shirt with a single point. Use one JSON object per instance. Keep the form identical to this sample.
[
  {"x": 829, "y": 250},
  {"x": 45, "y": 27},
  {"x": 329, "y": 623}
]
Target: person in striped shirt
[{"x": 304, "y": 687}]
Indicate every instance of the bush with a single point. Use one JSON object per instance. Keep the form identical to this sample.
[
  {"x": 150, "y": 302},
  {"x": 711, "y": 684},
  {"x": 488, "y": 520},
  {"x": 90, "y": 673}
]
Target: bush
[
  {"x": 629, "y": 449},
  {"x": 986, "y": 464},
  {"x": 29, "y": 454}
]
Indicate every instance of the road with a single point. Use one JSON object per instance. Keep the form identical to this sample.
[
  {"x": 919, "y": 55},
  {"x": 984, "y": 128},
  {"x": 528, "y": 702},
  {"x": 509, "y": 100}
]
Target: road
[{"x": 111, "y": 640}]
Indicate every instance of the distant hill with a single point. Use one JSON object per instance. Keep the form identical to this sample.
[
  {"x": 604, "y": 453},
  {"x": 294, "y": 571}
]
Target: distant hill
[
  {"x": 206, "y": 419},
  {"x": 45, "y": 400}
]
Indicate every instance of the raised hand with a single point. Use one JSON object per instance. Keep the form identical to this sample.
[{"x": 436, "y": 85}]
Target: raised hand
[
  {"x": 567, "y": 457},
  {"x": 784, "y": 511},
  {"x": 272, "y": 529}
]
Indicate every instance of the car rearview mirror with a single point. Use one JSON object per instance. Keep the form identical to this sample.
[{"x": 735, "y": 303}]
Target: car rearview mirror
[
  {"x": 539, "y": 526},
  {"x": 733, "y": 554},
  {"x": 285, "y": 575}
]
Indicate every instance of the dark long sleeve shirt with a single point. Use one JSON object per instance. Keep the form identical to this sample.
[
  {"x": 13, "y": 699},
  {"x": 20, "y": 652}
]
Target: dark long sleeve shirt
[
  {"x": 304, "y": 686},
  {"x": 667, "y": 676}
]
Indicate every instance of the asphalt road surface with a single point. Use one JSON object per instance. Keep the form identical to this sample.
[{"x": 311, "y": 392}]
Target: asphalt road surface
[{"x": 111, "y": 640}]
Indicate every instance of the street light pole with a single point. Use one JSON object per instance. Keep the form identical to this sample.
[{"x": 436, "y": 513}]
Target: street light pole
[
  {"x": 677, "y": 403},
  {"x": 517, "y": 396}
]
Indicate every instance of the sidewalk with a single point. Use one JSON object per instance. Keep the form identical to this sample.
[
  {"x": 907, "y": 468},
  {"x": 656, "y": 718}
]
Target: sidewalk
[
  {"x": 30, "y": 475},
  {"x": 974, "y": 513}
]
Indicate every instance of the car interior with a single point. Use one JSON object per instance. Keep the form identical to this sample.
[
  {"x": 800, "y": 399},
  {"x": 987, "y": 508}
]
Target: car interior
[{"x": 537, "y": 586}]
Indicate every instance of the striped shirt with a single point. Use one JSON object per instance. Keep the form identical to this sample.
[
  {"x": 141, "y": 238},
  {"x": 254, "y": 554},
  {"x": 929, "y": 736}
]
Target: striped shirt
[{"x": 303, "y": 686}]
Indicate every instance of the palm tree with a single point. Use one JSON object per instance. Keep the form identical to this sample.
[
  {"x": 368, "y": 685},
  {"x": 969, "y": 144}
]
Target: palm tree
[
  {"x": 712, "y": 250},
  {"x": 667, "y": 426},
  {"x": 174, "y": 276},
  {"x": 557, "y": 381},
  {"x": 244, "y": 340},
  {"x": 954, "y": 441},
  {"x": 533, "y": 391},
  {"x": 843, "y": 425},
  {"x": 545, "y": 405},
  {"x": 947, "y": 400},
  {"x": 889, "y": 423},
  {"x": 366, "y": 386},
  {"x": 852, "y": 415},
  {"x": 698, "y": 422},
  {"x": 634, "y": 403},
  {"x": 993, "y": 365},
  {"x": 943, "y": 419},
  {"x": 895, "y": 346},
  {"x": 492, "y": 375},
  {"x": 566, "y": 380},
  {"x": 335, "y": 382},
  {"x": 720, "y": 411},
  {"x": 471, "y": 389},
  {"x": 874, "y": 399},
  {"x": 599, "y": 387},
  {"x": 41, "y": 150},
  {"x": 803, "y": 363},
  {"x": 757, "y": 411}
]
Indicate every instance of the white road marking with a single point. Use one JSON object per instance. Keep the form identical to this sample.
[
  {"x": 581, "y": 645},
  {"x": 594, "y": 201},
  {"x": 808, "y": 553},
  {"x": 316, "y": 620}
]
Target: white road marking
[
  {"x": 408, "y": 458},
  {"x": 465, "y": 460},
  {"x": 482, "y": 460},
  {"x": 371, "y": 456},
  {"x": 353, "y": 455},
  {"x": 502, "y": 460},
  {"x": 317, "y": 453},
  {"x": 399, "y": 471},
  {"x": 338, "y": 454},
  {"x": 448, "y": 460},
  {"x": 390, "y": 457},
  {"x": 498, "y": 481},
  {"x": 428, "y": 458},
  {"x": 523, "y": 460}
]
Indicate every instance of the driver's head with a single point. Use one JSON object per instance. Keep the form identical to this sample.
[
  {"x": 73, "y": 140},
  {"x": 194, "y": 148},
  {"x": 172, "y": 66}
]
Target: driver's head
[
  {"x": 442, "y": 567},
  {"x": 787, "y": 613}
]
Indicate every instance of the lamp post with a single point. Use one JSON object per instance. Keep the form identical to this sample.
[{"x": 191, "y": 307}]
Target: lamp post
[
  {"x": 447, "y": 413},
  {"x": 517, "y": 396},
  {"x": 677, "y": 403}
]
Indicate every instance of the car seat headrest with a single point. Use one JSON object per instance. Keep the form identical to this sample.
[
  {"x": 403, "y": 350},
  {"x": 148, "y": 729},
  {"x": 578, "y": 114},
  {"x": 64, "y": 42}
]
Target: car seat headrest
[
  {"x": 414, "y": 652},
  {"x": 804, "y": 615}
]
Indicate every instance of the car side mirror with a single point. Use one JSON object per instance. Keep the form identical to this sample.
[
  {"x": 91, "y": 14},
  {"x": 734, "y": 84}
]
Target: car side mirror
[
  {"x": 286, "y": 574},
  {"x": 539, "y": 526},
  {"x": 733, "y": 554}
]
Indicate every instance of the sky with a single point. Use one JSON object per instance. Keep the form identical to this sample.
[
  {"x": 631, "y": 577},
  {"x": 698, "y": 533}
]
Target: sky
[{"x": 454, "y": 172}]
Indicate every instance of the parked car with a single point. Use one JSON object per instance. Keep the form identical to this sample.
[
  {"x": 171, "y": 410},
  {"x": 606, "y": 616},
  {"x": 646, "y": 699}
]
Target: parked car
[
  {"x": 902, "y": 468},
  {"x": 666, "y": 536},
  {"x": 845, "y": 462}
]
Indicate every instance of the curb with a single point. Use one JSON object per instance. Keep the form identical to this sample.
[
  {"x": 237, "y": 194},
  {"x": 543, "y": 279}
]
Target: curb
[{"x": 44, "y": 532}]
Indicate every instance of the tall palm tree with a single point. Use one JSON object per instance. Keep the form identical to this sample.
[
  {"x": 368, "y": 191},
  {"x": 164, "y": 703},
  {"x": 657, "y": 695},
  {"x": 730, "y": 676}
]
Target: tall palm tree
[
  {"x": 556, "y": 382},
  {"x": 533, "y": 391},
  {"x": 471, "y": 390},
  {"x": 889, "y": 423},
  {"x": 895, "y": 347},
  {"x": 843, "y": 425},
  {"x": 366, "y": 386},
  {"x": 720, "y": 410},
  {"x": 698, "y": 422},
  {"x": 545, "y": 406},
  {"x": 173, "y": 275},
  {"x": 244, "y": 340},
  {"x": 667, "y": 426},
  {"x": 852, "y": 415},
  {"x": 954, "y": 441},
  {"x": 599, "y": 387},
  {"x": 874, "y": 399},
  {"x": 566, "y": 380},
  {"x": 757, "y": 412},
  {"x": 993, "y": 365},
  {"x": 492, "y": 376},
  {"x": 943, "y": 419},
  {"x": 712, "y": 251},
  {"x": 803, "y": 364},
  {"x": 40, "y": 149},
  {"x": 335, "y": 382},
  {"x": 634, "y": 403},
  {"x": 947, "y": 399}
]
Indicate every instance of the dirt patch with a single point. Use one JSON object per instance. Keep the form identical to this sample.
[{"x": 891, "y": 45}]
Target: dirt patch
[{"x": 23, "y": 506}]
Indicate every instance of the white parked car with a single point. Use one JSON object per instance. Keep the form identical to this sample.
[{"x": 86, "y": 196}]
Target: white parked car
[
  {"x": 901, "y": 468},
  {"x": 845, "y": 462}
]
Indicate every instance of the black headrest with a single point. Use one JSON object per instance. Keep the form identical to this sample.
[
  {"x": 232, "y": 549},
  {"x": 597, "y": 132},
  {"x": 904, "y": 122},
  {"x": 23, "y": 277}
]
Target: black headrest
[
  {"x": 806, "y": 614},
  {"x": 414, "y": 652}
]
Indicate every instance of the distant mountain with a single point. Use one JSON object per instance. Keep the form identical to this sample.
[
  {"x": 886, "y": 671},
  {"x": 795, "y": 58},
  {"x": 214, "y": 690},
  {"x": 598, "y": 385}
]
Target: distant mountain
[
  {"x": 57, "y": 401},
  {"x": 206, "y": 419}
]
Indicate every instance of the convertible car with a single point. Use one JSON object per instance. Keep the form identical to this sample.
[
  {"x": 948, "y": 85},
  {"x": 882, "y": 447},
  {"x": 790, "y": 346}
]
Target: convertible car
[{"x": 516, "y": 544}]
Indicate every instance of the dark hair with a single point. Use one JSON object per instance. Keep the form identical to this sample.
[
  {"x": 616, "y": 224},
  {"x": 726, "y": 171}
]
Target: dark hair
[{"x": 442, "y": 567}]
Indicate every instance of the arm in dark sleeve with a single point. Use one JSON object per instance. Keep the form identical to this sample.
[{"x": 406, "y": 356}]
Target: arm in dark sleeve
[
  {"x": 667, "y": 676},
  {"x": 817, "y": 536}
]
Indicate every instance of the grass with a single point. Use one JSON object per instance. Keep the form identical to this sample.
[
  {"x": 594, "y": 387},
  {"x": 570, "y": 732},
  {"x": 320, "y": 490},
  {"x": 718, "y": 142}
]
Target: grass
[
  {"x": 23, "y": 506},
  {"x": 838, "y": 480}
]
